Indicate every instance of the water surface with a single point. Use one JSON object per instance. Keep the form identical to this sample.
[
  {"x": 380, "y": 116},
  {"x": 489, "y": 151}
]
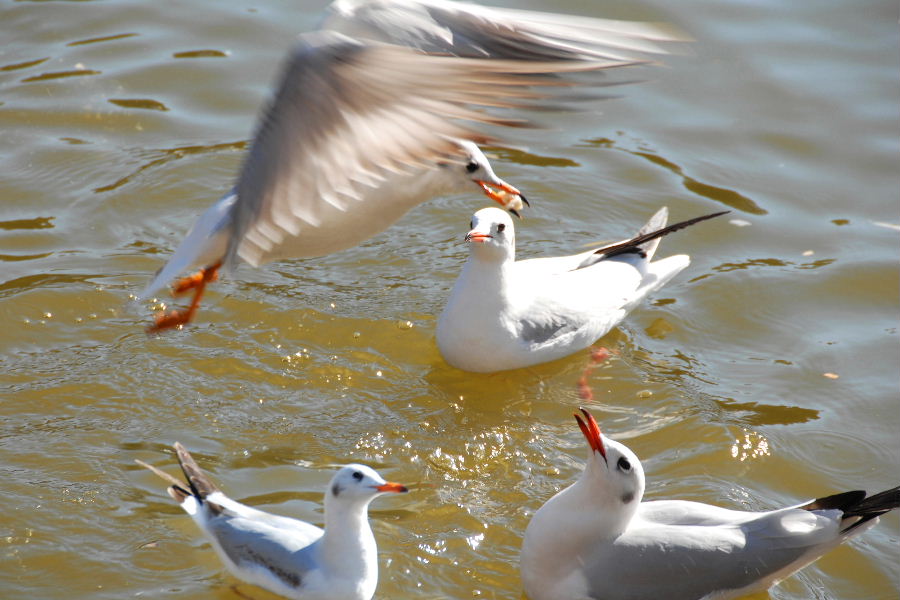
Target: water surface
[{"x": 765, "y": 374}]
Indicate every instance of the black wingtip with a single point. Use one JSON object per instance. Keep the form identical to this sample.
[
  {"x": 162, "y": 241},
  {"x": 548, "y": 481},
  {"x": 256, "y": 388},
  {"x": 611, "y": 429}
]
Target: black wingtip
[
  {"x": 515, "y": 212},
  {"x": 635, "y": 244},
  {"x": 857, "y": 504},
  {"x": 201, "y": 485},
  {"x": 525, "y": 201}
]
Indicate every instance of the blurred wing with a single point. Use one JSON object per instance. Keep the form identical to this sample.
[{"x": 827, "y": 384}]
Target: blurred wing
[
  {"x": 347, "y": 114},
  {"x": 475, "y": 31}
]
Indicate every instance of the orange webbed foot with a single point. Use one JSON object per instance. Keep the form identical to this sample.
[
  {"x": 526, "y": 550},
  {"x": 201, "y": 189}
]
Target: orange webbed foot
[
  {"x": 198, "y": 279},
  {"x": 178, "y": 318},
  {"x": 169, "y": 320}
]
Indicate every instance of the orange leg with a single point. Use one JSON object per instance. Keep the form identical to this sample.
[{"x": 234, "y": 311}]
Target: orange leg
[
  {"x": 598, "y": 355},
  {"x": 197, "y": 282}
]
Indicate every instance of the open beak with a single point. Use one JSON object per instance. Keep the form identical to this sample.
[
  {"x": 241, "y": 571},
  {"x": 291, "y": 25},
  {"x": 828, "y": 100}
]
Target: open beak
[
  {"x": 478, "y": 237},
  {"x": 504, "y": 194},
  {"x": 391, "y": 487},
  {"x": 591, "y": 432}
]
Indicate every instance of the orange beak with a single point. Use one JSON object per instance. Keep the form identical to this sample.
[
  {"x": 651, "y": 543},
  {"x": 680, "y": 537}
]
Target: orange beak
[
  {"x": 478, "y": 237},
  {"x": 392, "y": 487},
  {"x": 591, "y": 432},
  {"x": 504, "y": 194}
]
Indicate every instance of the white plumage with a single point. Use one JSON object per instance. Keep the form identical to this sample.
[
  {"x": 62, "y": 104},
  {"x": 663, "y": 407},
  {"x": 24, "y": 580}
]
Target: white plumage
[
  {"x": 374, "y": 114},
  {"x": 506, "y": 314},
  {"x": 596, "y": 539},
  {"x": 287, "y": 556}
]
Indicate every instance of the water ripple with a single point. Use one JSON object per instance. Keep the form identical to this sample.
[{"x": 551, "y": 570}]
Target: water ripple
[
  {"x": 721, "y": 195},
  {"x": 97, "y": 40},
  {"x": 200, "y": 54},
  {"x": 143, "y": 103},
  {"x": 24, "y": 65},
  {"x": 35, "y": 223},
  {"x": 61, "y": 75},
  {"x": 756, "y": 414},
  {"x": 167, "y": 155}
]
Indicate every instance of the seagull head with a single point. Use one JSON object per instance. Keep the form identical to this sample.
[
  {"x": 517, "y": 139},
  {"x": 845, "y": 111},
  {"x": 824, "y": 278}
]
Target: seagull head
[
  {"x": 359, "y": 484},
  {"x": 597, "y": 507},
  {"x": 476, "y": 168},
  {"x": 612, "y": 470},
  {"x": 492, "y": 236}
]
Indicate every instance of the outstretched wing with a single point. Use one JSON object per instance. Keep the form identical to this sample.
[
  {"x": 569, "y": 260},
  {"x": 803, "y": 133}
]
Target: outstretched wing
[
  {"x": 347, "y": 114},
  {"x": 471, "y": 30}
]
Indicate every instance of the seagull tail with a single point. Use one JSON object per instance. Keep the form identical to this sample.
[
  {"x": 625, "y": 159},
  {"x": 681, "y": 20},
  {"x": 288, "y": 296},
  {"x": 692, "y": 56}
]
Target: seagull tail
[
  {"x": 192, "y": 493},
  {"x": 178, "y": 489},
  {"x": 656, "y": 223},
  {"x": 201, "y": 485},
  {"x": 858, "y": 508},
  {"x": 204, "y": 245},
  {"x": 870, "y": 508},
  {"x": 647, "y": 239}
]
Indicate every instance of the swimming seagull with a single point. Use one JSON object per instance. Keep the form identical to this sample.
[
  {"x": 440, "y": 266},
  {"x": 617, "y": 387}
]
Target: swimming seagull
[
  {"x": 596, "y": 540},
  {"x": 287, "y": 556},
  {"x": 506, "y": 314},
  {"x": 361, "y": 129}
]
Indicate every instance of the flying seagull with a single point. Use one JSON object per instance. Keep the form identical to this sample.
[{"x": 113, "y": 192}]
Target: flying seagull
[{"x": 376, "y": 113}]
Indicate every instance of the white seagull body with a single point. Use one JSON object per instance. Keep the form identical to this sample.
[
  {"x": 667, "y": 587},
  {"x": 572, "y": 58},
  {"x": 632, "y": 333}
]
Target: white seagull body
[
  {"x": 507, "y": 314},
  {"x": 287, "y": 556},
  {"x": 361, "y": 129},
  {"x": 596, "y": 540}
]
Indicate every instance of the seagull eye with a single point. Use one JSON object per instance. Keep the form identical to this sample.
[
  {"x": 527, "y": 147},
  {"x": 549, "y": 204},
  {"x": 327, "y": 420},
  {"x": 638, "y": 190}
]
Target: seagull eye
[
  {"x": 472, "y": 166},
  {"x": 501, "y": 227},
  {"x": 623, "y": 464},
  {"x": 357, "y": 475}
]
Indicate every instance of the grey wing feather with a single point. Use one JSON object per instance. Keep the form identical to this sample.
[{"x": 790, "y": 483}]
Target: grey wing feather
[
  {"x": 541, "y": 332},
  {"x": 346, "y": 113},
  {"x": 470, "y": 30},
  {"x": 657, "y": 571},
  {"x": 249, "y": 542},
  {"x": 686, "y": 550}
]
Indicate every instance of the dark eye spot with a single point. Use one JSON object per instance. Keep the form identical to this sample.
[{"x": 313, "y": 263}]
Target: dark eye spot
[
  {"x": 501, "y": 227},
  {"x": 471, "y": 224},
  {"x": 626, "y": 498},
  {"x": 623, "y": 464},
  {"x": 335, "y": 490},
  {"x": 357, "y": 475},
  {"x": 471, "y": 166}
]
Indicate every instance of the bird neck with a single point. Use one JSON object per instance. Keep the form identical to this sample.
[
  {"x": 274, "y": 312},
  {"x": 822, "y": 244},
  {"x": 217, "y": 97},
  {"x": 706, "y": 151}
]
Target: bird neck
[
  {"x": 563, "y": 531},
  {"x": 491, "y": 280},
  {"x": 441, "y": 181},
  {"x": 348, "y": 543},
  {"x": 491, "y": 263}
]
